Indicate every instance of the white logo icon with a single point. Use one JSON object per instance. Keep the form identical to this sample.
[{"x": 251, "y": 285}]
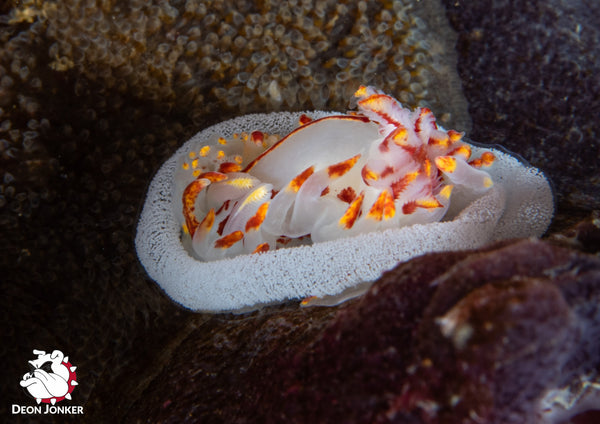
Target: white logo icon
[{"x": 52, "y": 377}]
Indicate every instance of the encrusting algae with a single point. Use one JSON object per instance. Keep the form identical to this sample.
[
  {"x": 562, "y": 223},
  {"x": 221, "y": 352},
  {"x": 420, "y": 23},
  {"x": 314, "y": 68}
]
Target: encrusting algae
[{"x": 71, "y": 70}]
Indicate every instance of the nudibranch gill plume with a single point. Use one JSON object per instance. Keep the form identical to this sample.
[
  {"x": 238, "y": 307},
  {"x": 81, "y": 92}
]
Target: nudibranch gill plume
[
  {"x": 268, "y": 207},
  {"x": 337, "y": 176}
]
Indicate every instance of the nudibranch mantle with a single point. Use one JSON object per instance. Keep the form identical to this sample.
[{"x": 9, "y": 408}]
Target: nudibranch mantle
[{"x": 518, "y": 203}]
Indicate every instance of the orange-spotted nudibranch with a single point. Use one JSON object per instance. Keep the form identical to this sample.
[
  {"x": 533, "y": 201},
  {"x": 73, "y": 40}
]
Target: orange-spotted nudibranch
[
  {"x": 268, "y": 207},
  {"x": 382, "y": 167}
]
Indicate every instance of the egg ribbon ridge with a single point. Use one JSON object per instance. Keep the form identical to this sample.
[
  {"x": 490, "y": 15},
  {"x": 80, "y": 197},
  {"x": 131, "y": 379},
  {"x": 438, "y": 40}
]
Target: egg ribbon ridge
[{"x": 519, "y": 204}]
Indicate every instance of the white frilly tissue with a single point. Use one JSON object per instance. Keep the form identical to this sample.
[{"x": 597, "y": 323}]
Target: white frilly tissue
[{"x": 519, "y": 204}]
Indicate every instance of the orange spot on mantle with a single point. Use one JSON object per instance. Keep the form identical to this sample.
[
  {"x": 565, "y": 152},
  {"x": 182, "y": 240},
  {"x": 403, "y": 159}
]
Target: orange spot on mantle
[
  {"x": 368, "y": 174},
  {"x": 347, "y": 195},
  {"x": 229, "y": 240},
  {"x": 190, "y": 194},
  {"x": 340, "y": 168},
  {"x": 257, "y": 219},
  {"x": 226, "y": 167},
  {"x": 261, "y": 248},
  {"x": 446, "y": 163},
  {"x": 207, "y": 222},
  {"x": 429, "y": 203},
  {"x": 257, "y": 137},
  {"x": 297, "y": 182},
  {"x": 352, "y": 213},
  {"x": 304, "y": 119},
  {"x": 383, "y": 207}
]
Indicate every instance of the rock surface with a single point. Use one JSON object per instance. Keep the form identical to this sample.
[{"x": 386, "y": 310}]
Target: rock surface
[
  {"x": 527, "y": 71},
  {"x": 442, "y": 338}
]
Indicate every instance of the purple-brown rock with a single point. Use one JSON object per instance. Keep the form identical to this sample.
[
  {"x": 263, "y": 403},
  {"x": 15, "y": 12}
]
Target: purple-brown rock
[{"x": 447, "y": 337}]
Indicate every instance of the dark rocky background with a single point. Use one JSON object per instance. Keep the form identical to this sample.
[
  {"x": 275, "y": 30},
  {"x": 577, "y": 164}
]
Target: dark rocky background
[
  {"x": 528, "y": 71},
  {"x": 84, "y": 136}
]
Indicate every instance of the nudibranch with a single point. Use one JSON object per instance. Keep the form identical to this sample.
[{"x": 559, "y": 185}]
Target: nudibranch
[
  {"x": 337, "y": 176},
  {"x": 264, "y": 208}
]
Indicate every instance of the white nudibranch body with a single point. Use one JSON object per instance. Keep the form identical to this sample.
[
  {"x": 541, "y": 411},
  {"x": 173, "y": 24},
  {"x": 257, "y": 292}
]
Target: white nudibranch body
[
  {"x": 237, "y": 194},
  {"x": 334, "y": 177}
]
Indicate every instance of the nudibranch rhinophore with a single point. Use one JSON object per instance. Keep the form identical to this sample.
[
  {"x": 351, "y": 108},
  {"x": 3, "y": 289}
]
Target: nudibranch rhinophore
[{"x": 268, "y": 207}]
